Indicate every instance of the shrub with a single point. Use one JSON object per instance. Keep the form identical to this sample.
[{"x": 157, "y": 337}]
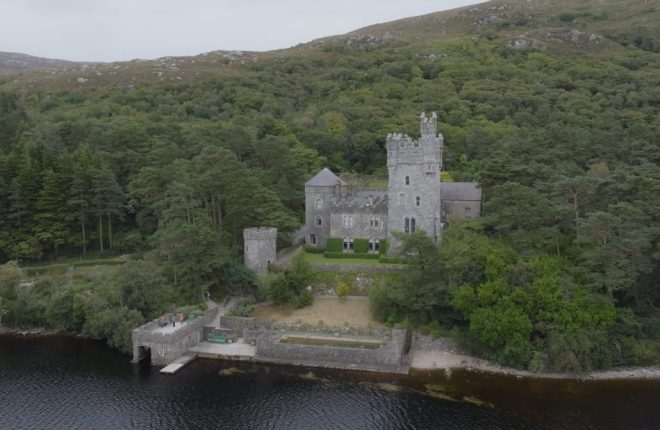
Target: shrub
[
  {"x": 334, "y": 244},
  {"x": 312, "y": 250},
  {"x": 305, "y": 298},
  {"x": 242, "y": 308},
  {"x": 382, "y": 249},
  {"x": 342, "y": 289},
  {"x": 350, "y": 255},
  {"x": 393, "y": 260},
  {"x": 361, "y": 246}
]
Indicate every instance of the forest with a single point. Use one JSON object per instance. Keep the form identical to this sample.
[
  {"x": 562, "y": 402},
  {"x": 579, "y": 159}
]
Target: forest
[{"x": 560, "y": 273}]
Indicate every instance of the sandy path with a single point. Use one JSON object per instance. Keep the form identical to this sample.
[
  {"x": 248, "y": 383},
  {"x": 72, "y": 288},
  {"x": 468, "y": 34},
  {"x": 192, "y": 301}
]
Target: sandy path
[{"x": 438, "y": 360}]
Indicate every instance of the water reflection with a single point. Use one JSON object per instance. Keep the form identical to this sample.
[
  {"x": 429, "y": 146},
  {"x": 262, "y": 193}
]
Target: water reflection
[{"x": 61, "y": 382}]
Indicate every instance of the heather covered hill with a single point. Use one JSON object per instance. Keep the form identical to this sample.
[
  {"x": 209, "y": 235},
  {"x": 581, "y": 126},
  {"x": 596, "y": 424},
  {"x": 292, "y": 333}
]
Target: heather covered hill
[
  {"x": 12, "y": 62},
  {"x": 553, "y": 106}
]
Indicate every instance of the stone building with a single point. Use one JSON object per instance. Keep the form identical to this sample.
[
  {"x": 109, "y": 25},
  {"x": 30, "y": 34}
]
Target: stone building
[
  {"x": 415, "y": 198},
  {"x": 259, "y": 248}
]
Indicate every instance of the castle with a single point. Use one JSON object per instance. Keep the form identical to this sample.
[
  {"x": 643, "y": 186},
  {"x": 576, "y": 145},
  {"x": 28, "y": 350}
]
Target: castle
[{"x": 415, "y": 198}]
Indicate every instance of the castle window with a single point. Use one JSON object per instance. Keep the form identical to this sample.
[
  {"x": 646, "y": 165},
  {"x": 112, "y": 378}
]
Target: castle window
[
  {"x": 319, "y": 220},
  {"x": 373, "y": 221},
  {"x": 348, "y": 221},
  {"x": 402, "y": 199},
  {"x": 312, "y": 239},
  {"x": 409, "y": 225},
  {"x": 417, "y": 200},
  {"x": 468, "y": 212},
  {"x": 348, "y": 244},
  {"x": 407, "y": 180},
  {"x": 319, "y": 203},
  {"x": 374, "y": 245}
]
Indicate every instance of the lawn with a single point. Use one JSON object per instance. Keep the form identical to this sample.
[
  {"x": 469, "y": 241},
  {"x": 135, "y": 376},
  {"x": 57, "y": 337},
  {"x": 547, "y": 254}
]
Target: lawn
[
  {"x": 320, "y": 258},
  {"x": 353, "y": 311}
]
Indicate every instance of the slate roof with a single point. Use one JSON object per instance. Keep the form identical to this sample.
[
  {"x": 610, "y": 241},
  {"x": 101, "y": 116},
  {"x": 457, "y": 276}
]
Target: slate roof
[
  {"x": 325, "y": 178},
  {"x": 466, "y": 191},
  {"x": 376, "y": 200}
]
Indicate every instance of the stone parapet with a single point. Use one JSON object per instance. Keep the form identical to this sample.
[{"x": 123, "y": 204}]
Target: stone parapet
[
  {"x": 260, "y": 233},
  {"x": 167, "y": 346},
  {"x": 389, "y": 357}
]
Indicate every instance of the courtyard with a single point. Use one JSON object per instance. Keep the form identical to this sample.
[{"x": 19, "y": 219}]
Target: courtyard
[{"x": 333, "y": 311}]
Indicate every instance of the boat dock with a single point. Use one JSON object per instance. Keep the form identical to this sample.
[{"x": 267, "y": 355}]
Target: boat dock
[{"x": 178, "y": 364}]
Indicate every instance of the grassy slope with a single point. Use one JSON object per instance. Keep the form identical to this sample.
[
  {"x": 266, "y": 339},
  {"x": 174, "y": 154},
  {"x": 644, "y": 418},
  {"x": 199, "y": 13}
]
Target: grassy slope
[{"x": 549, "y": 22}]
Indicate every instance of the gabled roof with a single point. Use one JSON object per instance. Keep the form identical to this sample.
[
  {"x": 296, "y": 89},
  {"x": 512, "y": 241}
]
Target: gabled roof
[
  {"x": 325, "y": 178},
  {"x": 467, "y": 191}
]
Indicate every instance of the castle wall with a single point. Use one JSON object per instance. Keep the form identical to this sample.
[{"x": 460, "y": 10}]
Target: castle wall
[
  {"x": 414, "y": 182},
  {"x": 313, "y": 212},
  {"x": 361, "y": 224},
  {"x": 461, "y": 208},
  {"x": 260, "y": 246}
]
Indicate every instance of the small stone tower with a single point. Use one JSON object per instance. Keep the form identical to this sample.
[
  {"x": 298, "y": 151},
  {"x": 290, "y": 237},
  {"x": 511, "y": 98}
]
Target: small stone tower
[
  {"x": 259, "y": 248},
  {"x": 414, "y": 182}
]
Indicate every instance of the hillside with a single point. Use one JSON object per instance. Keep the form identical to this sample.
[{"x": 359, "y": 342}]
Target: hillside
[
  {"x": 12, "y": 62},
  {"x": 562, "y": 26},
  {"x": 552, "y": 106}
]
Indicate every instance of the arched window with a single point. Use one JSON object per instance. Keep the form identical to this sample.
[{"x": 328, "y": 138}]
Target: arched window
[
  {"x": 319, "y": 221},
  {"x": 374, "y": 245},
  {"x": 407, "y": 180},
  {"x": 418, "y": 199},
  {"x": 348, "y": 244},
  {"x": 319, "y": 203},
  {"x": 409, "y": 225}
]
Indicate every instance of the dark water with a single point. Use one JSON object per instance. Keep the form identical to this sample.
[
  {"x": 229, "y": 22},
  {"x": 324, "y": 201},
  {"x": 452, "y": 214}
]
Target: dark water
[{"x": 68, "y": 383}]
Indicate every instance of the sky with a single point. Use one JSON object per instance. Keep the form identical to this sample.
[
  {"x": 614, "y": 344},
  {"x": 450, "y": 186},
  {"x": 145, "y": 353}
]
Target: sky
[{"x": 114, "y": 30}]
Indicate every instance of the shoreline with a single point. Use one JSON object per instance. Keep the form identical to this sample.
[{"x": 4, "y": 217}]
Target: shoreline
[
  {"x": 432, "y": 360},
  {"x": 424, "y": 360}
]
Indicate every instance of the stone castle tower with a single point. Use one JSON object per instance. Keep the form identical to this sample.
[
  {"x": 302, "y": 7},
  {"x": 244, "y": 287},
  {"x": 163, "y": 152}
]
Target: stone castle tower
[
  {"x": 260, "y": 248},
  {"x": 414, "y": 182}
]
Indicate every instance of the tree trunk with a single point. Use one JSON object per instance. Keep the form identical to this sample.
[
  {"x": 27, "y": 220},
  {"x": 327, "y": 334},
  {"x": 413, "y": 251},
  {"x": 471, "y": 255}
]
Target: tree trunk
[
  {"x": 100, "y": 232},
  {"x": 576, "y": 208},
  {"x": 82, "y": 222},
  {"x": 109, "y": 230}
]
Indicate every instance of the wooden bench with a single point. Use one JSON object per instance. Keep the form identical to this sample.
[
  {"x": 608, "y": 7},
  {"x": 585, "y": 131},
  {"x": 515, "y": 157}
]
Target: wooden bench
[{"x": 219, "y": 339}]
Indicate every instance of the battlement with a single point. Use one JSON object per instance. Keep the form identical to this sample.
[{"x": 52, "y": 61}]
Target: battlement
[
  {"x": 428, "y": 125},
  {"x": 260, "y": 233}
]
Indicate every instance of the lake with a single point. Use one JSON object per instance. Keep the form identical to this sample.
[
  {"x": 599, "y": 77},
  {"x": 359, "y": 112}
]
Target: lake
[{"x": 60, "y": 382}]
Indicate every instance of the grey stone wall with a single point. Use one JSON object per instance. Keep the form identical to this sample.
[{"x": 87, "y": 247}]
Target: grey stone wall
[
  {"x": 260, "y": 248},
  {"x": 414, "y": 172},
  {"x": 313, "y": 211},
  {"x": 387, "y": 358},
  {"x": 166, "y": 347},
  {"x": 243, "y": 323},
  {"x": 360, "y": 224},
  {"x": 458, "y": 208}
]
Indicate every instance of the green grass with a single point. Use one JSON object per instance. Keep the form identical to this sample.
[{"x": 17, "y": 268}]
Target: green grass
[
  {"x": 320, "y": 258},
  {"x": 377, "y": 184}
]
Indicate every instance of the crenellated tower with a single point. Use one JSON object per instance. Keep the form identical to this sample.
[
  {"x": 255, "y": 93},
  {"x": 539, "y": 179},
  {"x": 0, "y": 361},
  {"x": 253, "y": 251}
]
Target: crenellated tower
[{"x": 414, "y": 181}]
